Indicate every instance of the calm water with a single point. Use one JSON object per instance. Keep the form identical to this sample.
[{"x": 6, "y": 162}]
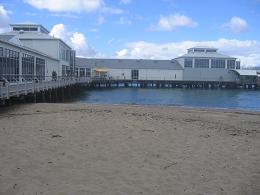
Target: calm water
[{"x": 235, "y": 99}]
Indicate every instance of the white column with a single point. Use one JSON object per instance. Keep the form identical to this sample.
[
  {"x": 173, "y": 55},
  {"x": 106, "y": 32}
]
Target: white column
[
  {"x": 20, "y": 66},
  {"x": 193, "y": 62},
  {"x": 225, "y": 63},
  {"x": 209, "y": 63},
  {"x": 34, "y": 67}
]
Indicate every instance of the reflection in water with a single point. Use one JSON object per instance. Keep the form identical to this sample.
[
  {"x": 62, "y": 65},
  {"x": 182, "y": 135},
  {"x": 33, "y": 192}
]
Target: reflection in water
[{"x": 238, "y": 99}]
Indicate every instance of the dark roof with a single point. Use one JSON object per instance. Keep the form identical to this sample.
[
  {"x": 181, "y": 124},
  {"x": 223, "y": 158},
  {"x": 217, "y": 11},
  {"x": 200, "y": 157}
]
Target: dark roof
[
  {"x": 128, "y": 63},
  {"x": 6, "y": 37}
]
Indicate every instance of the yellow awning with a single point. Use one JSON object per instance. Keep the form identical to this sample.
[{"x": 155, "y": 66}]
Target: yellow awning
[{"x": 101, "y": 70}]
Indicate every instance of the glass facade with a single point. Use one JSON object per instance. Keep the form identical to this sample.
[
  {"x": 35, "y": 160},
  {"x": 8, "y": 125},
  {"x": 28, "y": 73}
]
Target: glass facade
[
  {"x": 27, "y": 66},
  {"x": 9, "y": 64},
  {"x": 188, "y": 62},
  {"x": 217, "y": 63},
  {"x": 231, "y": 64},
  {"x": 135, "y": 74},
  {"x": 40, "y": 68},
  {"x": 201, "y": 63}
]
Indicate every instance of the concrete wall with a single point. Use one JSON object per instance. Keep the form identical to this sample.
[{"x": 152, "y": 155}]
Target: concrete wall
[{"x": 206, "y": 74}]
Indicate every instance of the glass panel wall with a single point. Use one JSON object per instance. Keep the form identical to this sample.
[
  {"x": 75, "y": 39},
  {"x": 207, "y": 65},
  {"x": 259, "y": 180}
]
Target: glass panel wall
[
  {"x": 201, "y": 63},
  {"x": 27, "y": 67},
  {"x": 217, "y": 63},
  {"x": 188, "y": 62},
  {"x": 231, "y": 64},
  {"x": 40, "y": 68},
  {"x": 9, "y": 64}
]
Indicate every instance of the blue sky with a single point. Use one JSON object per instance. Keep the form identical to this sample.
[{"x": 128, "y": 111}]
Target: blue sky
[{"x": 161, "y": 29}]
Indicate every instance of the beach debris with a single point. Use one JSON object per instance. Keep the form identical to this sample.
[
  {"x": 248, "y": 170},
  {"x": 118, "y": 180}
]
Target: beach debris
[
  {"x": 169, "y": 165},
  {"x": 148, "y": 130},
  {"x": 56, "y": 136},
  {"x": 14, "y": 186}
]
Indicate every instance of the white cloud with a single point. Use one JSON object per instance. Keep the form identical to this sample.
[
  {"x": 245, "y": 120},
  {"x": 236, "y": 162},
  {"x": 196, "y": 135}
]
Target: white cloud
[
  {"x": 73, "y": 6},
  {"x": 236, "y": 24},
  {"x": 76, "y": 40},
  {"x": 171, "y": 22},
  {"x": 4, "y": 19},
  {"x": 122, "y": 53},
  {"x": 247, "y": 51},
  {"x": 124, "y": 21}
]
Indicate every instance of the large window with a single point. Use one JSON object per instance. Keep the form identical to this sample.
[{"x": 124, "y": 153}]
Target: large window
[
  {"x": 237, "y": 64},
  {"x": 135, "y": 74},
  {"x": 231, "y": 64},
  {"x": 88, "y": 72},
  {"x": 27, "y": 66},
  {"x": 9, "y": 64},
  {"x": 40, "y": 68},
  {"x": 82, "y": 72},
  {"x": 188, "y": 62},
  {"x": 217, "y": 63},
  {"x": 201, "y": 63}
]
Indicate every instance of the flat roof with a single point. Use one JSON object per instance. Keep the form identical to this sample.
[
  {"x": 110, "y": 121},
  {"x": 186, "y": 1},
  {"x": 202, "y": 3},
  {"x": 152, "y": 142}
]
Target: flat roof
[
  {"x": 30, "y": 25},
  {"x": 243, "y": 72},
  {"x": 128, "y": 63}
]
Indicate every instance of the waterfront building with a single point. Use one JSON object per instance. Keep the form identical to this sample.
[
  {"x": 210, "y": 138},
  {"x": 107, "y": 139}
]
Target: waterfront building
[
  {"x": 200, "y": 64},
  {"x": 36, "y": 38},
  {"x": 129, "y": 69}
]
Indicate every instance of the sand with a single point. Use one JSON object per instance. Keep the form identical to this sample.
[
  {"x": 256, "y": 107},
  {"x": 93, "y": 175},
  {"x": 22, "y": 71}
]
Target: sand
[{"x": 67, "y": 149}]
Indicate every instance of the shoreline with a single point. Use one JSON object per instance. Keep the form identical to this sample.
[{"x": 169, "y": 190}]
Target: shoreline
[{"x": 77, "y": 148}]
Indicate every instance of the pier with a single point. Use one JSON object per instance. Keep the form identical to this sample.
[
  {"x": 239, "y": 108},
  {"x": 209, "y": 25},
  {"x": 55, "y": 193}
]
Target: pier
[{"x": 43, "y": 90}]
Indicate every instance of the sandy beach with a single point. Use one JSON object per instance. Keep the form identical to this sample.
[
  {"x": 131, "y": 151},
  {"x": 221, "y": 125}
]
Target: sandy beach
[{"x": 67, "y": 149}]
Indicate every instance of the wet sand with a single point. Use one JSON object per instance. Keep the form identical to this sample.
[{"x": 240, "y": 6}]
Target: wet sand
[{"x": 65, "y": 149}]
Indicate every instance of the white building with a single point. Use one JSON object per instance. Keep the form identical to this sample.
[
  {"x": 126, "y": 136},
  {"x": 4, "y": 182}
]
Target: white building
[
  {"x": 37, "y": 37},
  {"x": 206, "y": 64},
  {"x": 128, "y": 69},
  {"x": 199, "y": 64}
]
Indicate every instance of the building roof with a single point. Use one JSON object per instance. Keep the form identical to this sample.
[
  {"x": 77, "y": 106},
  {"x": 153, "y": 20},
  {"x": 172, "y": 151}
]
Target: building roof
[
  {"x": 33, "y": 35},
  {"x": 27, "y": 49},
  {"x": 6, "y": 37},
  {"x": 128, "y": 64},
  {"x": 30, "y": 25},
  {"x": 205, "y": 55},
  {"x": 243, "y": 72}
]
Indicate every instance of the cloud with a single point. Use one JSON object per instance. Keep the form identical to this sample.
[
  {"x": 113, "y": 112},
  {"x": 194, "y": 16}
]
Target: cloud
[
  {"x": 76, "y": 40},
  {"x": 247, "y": 51},
  {"x": 4, "y": 19},
  {"x": 124, "y": 21},
  {"x": 236, "y": 25},
  {"x": 171, "y": 22},
  {"x": 73, "y": 6}
]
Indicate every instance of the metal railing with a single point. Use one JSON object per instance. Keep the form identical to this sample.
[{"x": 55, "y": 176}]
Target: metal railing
[{"x": 24, "y": 86}]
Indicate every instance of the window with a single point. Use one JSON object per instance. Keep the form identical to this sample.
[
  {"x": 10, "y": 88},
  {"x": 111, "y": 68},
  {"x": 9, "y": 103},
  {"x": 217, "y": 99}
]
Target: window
[
  {"x": 217, "y": 63},
  {"x": 9, "y": 64},
  {"x": 27, "y": 66},
  {"x": 199, "y": 50},
  {"x": 88, "y": 72},
  {"x": 231, "y": 64},
  {"x": 201, "y": 63},
  {"x": 188, "y": 63},
  {"x": 237, "y": 64},
  {"x": 135, "y": 74},
  {"x": 40, "y": 68},
  {"x": 82, "y": 72}
]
